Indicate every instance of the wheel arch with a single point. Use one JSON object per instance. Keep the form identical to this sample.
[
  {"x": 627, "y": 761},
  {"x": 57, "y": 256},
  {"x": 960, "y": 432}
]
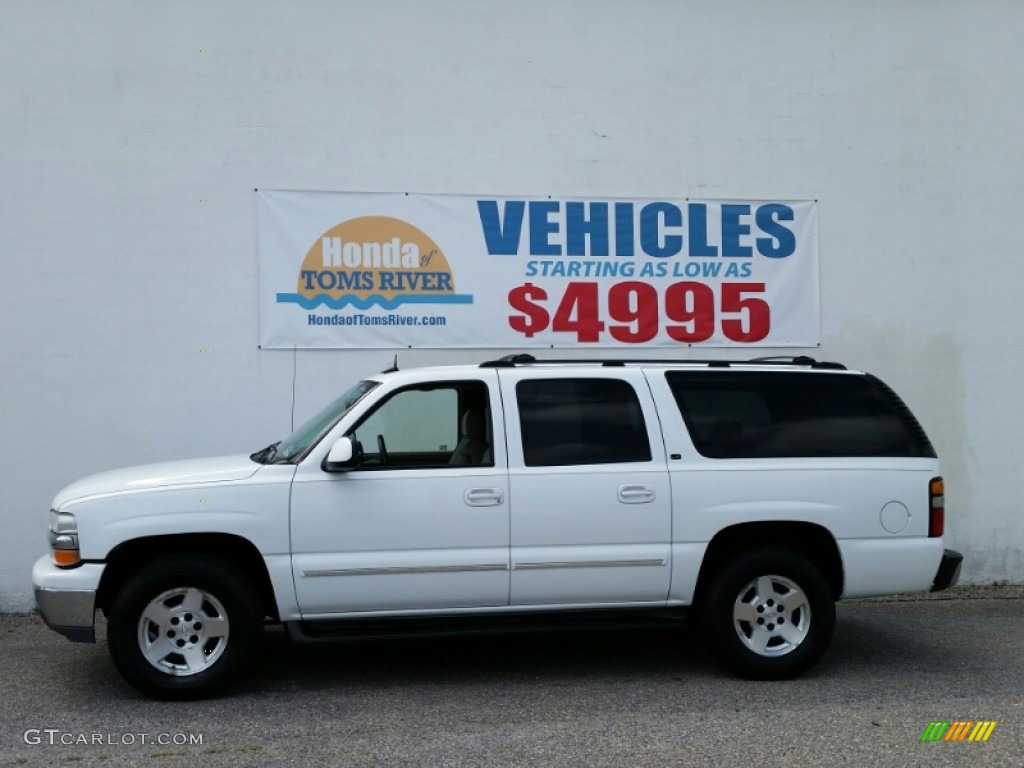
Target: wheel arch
[
  {"x": 810, "y": 540},
  {"x": 126, "y": 558}
]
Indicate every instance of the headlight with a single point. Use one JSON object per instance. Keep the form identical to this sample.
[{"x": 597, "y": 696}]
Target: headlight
[
  {"x": 64, "y": 538},
  {"x": 63, "y": 522}
]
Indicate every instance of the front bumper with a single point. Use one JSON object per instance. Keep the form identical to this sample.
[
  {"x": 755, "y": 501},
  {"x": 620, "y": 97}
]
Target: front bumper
[
  {"x": 949, "y": 570},
  {"x": 66, "y": 597}
]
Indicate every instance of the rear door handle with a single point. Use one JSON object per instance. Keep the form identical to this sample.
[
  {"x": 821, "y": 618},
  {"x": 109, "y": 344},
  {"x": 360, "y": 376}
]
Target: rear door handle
[
  {"x": 484, "y": 497},
  {"x": 636, "y": 494}
]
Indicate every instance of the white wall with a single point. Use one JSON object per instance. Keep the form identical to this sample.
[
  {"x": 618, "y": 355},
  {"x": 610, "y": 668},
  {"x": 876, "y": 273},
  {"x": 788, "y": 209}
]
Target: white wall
[{"x": 903, "y": 119}]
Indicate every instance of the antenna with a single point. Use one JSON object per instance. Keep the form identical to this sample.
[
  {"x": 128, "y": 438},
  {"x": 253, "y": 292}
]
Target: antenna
[
  {"x": 394, "y": 365},
  {"x": 295, "y": 367}
]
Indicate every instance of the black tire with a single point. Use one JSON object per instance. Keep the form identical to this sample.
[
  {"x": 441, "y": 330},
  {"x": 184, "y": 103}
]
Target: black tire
[
  {"x": 769, "y": 614},
  {"x": 184, "y": 627}
]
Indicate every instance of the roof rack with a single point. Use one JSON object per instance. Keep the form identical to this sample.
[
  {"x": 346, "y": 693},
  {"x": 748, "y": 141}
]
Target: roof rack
[{"x": 520, "y": 359}]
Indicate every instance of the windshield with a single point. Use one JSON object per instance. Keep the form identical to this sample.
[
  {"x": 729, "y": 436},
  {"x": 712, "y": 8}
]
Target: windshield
[{"x": 327, "y": 417}]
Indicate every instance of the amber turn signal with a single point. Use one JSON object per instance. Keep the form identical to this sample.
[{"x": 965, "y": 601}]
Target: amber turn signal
[{"x": 66, "y": 557}]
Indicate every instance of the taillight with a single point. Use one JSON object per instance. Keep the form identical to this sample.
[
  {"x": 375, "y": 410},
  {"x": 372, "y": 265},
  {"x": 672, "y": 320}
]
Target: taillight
[{"x": 936, "y": 507}]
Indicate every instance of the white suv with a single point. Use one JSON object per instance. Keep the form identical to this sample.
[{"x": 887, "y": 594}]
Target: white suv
[{"x": 513, "y": 493}]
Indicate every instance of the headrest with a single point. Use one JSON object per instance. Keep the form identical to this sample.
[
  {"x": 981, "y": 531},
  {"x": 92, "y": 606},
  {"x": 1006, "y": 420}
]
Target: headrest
[{"x": 473, "y": 425}]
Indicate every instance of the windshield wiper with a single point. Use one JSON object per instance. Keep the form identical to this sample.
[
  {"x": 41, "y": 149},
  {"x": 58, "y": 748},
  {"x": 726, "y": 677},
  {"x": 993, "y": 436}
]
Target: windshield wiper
[{"x": 266, "y": 455}]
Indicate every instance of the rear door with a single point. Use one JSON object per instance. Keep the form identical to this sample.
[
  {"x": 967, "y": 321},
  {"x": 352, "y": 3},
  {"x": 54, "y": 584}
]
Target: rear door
[{"x": 591, "y": 506}]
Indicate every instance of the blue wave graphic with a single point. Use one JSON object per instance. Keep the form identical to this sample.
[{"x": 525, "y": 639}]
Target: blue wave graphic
[{"x": 374, "y": 299}]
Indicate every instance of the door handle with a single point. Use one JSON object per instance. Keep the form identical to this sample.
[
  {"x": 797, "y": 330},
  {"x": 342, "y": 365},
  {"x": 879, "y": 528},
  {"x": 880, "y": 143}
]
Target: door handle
[
  {"x": 636, "y": 494},
  {"x": 483, "y": 497}
]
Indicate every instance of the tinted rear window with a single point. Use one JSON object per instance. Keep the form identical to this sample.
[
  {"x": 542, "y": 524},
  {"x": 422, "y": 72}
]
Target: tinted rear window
[{"x": 773, "y": 414}]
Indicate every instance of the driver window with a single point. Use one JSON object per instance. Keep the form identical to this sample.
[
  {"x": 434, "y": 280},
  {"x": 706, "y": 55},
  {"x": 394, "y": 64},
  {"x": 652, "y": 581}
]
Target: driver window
[{"x": 427, "y": 426}]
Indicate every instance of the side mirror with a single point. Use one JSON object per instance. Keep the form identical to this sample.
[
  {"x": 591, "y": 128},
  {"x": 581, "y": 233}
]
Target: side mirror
[{"x": 341, "y": 456}]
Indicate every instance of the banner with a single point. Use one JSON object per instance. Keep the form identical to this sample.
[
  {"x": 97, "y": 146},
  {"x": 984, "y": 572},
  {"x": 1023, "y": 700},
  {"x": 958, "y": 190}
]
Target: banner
[{"x": 353, "y": 270}]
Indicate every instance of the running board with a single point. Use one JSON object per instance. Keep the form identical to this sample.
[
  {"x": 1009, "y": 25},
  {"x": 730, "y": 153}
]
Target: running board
[{"x": 334, "y": 630}]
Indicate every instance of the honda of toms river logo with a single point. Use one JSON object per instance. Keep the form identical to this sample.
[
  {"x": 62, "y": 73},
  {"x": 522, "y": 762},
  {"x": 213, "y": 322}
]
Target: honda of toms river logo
[
  {"x": 374, "y": 260},
  {"x": 958, "y": 730}
]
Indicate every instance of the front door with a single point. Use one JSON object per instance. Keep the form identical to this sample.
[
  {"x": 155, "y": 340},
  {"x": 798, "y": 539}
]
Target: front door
[{"x": 421, "y": 520}]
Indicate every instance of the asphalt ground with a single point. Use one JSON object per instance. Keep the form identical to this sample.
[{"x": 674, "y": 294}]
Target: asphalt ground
[{"x": 630, "y": 698}]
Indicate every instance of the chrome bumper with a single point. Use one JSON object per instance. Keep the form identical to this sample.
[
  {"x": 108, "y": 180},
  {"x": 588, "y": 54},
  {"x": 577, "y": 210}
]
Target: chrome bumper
[{"x": 66, "y": 598}]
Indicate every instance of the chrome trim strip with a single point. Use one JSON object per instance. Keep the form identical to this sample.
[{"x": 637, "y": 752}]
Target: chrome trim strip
[
  {"x": 411, "y": 569},
  {"x": 590, "y": 564}
]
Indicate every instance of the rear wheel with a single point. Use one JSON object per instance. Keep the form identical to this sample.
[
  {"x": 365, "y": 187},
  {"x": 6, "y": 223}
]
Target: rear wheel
[
  {"x": 184, "y": 627},
  {"x": 769, "y": 614}
]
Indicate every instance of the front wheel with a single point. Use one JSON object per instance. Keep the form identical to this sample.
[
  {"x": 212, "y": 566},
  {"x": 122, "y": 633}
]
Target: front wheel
[
  {"x": 184, "y": 627},
  {"x": 769, "y": 614}
]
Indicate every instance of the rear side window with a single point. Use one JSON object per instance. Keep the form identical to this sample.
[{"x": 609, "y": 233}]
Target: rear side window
[
  {"x": 580, "y": 421},
  {"x": 773, "y": 414}
]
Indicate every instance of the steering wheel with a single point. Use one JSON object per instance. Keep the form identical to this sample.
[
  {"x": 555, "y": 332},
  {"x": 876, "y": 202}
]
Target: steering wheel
[{"x": 382, "y": 449}]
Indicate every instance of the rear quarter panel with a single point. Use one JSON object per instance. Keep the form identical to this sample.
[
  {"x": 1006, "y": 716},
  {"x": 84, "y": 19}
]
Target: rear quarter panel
[{"x": 846, "y": 496}]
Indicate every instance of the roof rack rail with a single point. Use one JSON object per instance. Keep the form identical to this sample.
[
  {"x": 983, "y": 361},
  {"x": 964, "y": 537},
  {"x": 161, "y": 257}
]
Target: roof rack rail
[
  {"x": 511, "y": 361},
  {"x": 795, "y": 359},
  {"x": 799, "y": 360}
]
